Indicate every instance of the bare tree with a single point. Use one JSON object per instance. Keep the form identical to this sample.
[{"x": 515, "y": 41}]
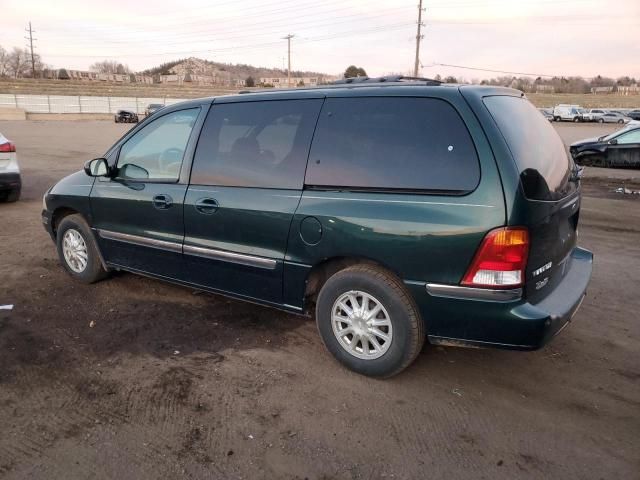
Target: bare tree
[
  {"x": 4, "y": 62},
  {"x": 110, "y": 66},
  {"x": 18, "y": 64}
]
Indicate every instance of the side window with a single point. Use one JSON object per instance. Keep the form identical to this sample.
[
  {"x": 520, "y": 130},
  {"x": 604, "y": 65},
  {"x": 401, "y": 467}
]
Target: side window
[
  {"x": 630, "y": 137},
  {"x": 155, "y": 152},
  {"x": 256, "y": 144},
  {"x": 392, "y": 143}
]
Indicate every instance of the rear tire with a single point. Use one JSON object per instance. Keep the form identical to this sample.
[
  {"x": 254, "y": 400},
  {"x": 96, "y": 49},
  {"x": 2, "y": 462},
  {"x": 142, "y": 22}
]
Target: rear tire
[
  {"x": 78, "y": 251},
  {"x": 601, "y": 120},
  {"x": 384, "y": 332},
  {"x": 620, "y": 121}
]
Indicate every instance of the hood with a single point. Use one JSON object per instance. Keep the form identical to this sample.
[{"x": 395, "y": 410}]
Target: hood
[
  {"x": 586, "y": 141},
  {"x": 78, "y": 183}
]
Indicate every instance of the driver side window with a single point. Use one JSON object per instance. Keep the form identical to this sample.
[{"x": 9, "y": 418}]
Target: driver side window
[
  {"x": 631, "y": 137},
  {"x": 156, "y": 151}
]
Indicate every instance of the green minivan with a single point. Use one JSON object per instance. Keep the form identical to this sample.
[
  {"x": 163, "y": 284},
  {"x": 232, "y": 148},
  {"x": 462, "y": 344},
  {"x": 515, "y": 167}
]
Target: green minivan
[{"x": 396, "y": 209}]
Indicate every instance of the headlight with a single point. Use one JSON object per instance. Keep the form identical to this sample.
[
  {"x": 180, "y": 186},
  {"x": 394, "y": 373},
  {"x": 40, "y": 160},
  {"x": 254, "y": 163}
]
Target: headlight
[{"x": 44, "y": 198}]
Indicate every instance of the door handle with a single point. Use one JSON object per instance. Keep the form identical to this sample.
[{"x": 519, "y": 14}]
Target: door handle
[
  {"x": 207, "y": 206},
  {"x": 162, "y": 201}
]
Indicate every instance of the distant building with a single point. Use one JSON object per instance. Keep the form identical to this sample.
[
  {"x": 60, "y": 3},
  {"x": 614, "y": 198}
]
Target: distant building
[
  {"x": 600, "y": 90},
  {"x": 283, "y": 82},
  {"x": 545, "y": 89},
  {"x": 629, "y": 89},
  {"x": 191, "y": 71}
]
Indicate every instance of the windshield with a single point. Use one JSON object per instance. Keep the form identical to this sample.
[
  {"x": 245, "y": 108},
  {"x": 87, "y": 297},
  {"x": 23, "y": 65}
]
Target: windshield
[
  {"x": 606, "y": 138},
  {"x": 536, "y": 147}
]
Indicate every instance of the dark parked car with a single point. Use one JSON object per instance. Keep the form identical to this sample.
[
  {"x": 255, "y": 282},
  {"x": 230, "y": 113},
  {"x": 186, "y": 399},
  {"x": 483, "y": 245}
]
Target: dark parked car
[
  {"x": 126, "y": 116},
  {"x": 547, "y": 113},
  {"x": 634, "y": 114},
  {"x": 396, "y": 210},
  {"x": 619, "y": 149},
  {"x": 152, "y": 108}
]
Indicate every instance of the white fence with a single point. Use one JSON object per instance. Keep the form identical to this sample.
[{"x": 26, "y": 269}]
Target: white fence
[{"x": 79, "y": 104}]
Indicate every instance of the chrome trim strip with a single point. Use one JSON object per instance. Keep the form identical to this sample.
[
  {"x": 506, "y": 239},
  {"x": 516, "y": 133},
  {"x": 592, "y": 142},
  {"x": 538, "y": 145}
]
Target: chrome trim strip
[
  {"x": 470, "y": 293},
  {"x": 293, "y": 307},
  {"x": 225, "y": 256},
  {"x": 140, "y": 241},
  {"x": 453, "y": 204},
  {"x": 462, "y": 342}
]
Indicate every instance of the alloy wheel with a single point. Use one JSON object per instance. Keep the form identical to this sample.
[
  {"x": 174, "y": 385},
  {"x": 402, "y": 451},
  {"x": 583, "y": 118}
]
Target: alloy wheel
[
  {"x": 74, "y": 249},
  {"x": 362, "y": 325}
]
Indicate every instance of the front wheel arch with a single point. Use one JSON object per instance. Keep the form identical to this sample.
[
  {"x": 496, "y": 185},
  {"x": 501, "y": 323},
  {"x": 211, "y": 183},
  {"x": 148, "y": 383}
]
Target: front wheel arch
[{"x": 60, "y": 214}]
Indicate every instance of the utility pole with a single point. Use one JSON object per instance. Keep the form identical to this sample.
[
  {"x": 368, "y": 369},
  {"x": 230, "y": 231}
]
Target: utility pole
[
  {"x": 419, "y": 37},
  {"x": 33, "y": 59},
  {"x": 288, "y": 39}
]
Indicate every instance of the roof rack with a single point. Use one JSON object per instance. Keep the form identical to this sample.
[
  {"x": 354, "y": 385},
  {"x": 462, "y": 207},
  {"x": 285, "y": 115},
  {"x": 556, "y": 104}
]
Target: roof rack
[{"x": 387, "y": 78}]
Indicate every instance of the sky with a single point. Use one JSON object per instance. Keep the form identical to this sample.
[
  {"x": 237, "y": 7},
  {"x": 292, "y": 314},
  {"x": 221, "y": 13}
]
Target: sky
[{"x": 539, "y": 37}]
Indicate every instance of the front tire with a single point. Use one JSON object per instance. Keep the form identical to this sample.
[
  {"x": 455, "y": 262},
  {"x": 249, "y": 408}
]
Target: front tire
[
  {"x": 369, "y": 322},
  {"x": 78, "y": 251}
]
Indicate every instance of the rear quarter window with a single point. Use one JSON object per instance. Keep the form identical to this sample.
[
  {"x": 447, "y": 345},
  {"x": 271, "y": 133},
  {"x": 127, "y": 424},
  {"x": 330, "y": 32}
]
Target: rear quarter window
[
  {"x": 536, "y": 148},
  {"x": 392, "y": 143}
]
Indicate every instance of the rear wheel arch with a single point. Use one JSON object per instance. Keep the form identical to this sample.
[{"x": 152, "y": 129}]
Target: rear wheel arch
[
  {"x": 406, "y": 332},
  {"x": 322, "y": 271}
]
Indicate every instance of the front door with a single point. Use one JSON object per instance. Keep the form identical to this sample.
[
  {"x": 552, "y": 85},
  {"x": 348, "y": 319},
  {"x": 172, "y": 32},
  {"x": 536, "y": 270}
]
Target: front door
[
  {"x": 138, "y": 213},
  {"x": 626, "y": 151},
  {"x": 246, "y": 184}
]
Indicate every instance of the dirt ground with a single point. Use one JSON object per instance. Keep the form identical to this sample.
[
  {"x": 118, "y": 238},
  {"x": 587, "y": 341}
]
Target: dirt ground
[{"x": 132, "y": 378}]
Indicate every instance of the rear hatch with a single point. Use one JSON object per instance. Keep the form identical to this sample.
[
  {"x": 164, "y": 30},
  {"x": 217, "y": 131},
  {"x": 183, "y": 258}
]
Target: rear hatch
[{"x": 549, "y": 187}]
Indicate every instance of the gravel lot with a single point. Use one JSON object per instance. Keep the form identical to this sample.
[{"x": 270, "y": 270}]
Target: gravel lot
[{"x": 134, "y": 378}]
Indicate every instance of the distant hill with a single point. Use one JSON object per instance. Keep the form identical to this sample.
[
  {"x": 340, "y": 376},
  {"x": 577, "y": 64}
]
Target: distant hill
[{"x": 199, "y": 66}]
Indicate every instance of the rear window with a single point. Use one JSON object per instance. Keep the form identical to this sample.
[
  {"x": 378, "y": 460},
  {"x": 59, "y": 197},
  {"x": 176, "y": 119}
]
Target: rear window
[
  {"x": 536, "y": 147},
  {"x": 397, "y": 143}
]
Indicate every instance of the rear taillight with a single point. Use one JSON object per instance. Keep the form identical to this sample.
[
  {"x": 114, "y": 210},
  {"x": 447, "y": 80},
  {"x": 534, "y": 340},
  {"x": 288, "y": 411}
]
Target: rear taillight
[
  {"x": 7, "y": 147},
  {"x": 501, "y": 260}
]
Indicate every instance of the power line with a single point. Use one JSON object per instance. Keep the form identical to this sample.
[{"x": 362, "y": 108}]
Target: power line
[
  {"x": 256, "y": 46},
  {"x": 269, "y": 28},
  {"x": 267, "y": 31},
  {"x": 506, "y": 72}
]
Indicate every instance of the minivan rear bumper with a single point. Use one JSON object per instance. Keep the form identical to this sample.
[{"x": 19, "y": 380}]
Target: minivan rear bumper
[{"x": 510, "y": 324}]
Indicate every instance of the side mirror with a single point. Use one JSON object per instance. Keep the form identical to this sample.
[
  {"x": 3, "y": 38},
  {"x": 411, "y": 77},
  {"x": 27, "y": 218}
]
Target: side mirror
[
  {"x": 133, "y": 172},
  {"x": 613, "y": 141},
  {"x": 98, "y": 167}
]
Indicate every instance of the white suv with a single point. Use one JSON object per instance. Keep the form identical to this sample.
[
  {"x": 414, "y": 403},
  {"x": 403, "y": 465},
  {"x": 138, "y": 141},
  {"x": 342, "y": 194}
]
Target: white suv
[{"x": 592, "y": 115}]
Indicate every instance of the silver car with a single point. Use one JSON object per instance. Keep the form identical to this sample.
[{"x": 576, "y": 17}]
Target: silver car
[
  {"x": 611, "y": 117},
  {"x": 592, "y": 115}
]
